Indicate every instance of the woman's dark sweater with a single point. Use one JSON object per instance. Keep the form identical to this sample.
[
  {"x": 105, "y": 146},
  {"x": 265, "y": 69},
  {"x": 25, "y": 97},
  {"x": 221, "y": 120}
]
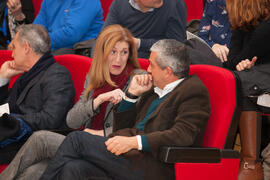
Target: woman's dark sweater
[{"x": 247, "y": 44}]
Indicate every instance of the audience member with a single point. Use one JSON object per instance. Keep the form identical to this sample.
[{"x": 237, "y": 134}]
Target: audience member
[
  {"x": 115, "y": 59},
  {"x": 149, "y": 21},
  {"x": 70, "y": 22},
  {"x": 43, "y": 94},
  {"x": 249, "y": 56},
  {"x": 215, "y": 29},
  {"x": 175, "y": 112},
  {"x": 12, "y": 14}
]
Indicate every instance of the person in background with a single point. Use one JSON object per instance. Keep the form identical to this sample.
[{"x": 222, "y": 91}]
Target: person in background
[
  {"x": 250, "y": 59},
  {"x": 41, "y": 97},
  {"x": 12, "y": 14},
  {"x": 215, "y": 27},
  {"x": 114, "y": 62},
  {"x": 149, "y": 21},
  {"x": 69, "y": 22}
]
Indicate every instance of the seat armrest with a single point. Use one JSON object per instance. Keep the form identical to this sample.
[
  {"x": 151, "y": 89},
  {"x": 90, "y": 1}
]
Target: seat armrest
[{"x": 195, "y": 155}]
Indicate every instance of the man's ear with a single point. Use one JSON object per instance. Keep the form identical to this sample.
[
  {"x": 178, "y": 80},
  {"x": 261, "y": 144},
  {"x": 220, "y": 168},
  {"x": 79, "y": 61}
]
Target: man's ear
[
  {"x": 169, "y": 71},
  {"x": 27, "y": 48}
]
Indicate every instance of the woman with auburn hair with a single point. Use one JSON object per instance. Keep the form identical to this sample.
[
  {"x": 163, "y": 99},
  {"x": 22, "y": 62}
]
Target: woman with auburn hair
[
  {"x": 249, "y": 56},
  {"x": 114, "y": 62},
  {"x": 114, "y": 59}
]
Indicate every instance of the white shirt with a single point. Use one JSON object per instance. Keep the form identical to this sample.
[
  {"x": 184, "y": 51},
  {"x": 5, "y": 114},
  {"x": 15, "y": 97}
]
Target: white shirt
[{"x": 135, "y": 5}]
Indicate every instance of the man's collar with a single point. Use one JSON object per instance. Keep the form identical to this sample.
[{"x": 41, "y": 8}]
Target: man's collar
[
  {"x": 168, "y": 88},
  {"x": 135, "y": 6}
]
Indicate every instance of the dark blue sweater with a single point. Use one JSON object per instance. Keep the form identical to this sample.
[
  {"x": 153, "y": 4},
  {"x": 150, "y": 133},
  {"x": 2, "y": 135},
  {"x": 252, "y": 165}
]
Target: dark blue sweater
[
  {"x": 166, "y": 22},
  {"x": 126, "y": 105}
]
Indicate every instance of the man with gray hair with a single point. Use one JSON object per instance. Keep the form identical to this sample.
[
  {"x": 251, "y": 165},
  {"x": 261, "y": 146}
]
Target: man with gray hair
[
  {"x": 44, "y": 92},
  {"x": 165, "y": 107}
]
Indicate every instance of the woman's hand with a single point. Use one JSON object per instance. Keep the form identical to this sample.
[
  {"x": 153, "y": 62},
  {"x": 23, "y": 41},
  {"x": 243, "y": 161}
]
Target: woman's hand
[
  {"x": 246, "y": 64},
  {"x": 114, "y": 96}
]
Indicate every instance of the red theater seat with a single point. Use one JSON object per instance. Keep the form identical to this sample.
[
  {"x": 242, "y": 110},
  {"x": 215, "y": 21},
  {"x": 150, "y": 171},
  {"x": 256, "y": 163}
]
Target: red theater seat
[
  {"x": 144, "y": 63},
  {"x": 78, "y": 67},
  {"x": 105, "y": 6},
  {"x": 194, "y": 9},
  {"x": 216, "y": 159},
  {"x": 37, "y": 6}
]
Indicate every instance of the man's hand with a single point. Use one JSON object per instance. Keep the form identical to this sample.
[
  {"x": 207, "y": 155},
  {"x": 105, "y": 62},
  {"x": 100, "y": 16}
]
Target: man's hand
[
  {"x": 94, "y": 132},
  {"x": 8, "y": 70},
  {"x": 121, "y": 144},
  {"x": 246, "y": 64},
  {"x": 15, "y": 8},
  {"x": 140, "y": 84},
  {"x": 221, "y": 52},
  {"x": 114, "y": 96}
]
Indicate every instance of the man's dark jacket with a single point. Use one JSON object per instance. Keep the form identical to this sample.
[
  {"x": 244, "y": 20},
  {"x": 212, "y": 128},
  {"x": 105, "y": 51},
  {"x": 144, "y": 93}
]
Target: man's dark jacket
[
  {"x": 46, "y": 99},
  {"x": 179, "y": 120}
]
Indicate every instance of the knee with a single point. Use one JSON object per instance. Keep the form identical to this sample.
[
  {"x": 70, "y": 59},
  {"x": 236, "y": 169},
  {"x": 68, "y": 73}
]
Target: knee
[
  {"x": 82, "y": 137},
  {"x": 37, "y": 136},
  {"x": 70, "y": 170}
]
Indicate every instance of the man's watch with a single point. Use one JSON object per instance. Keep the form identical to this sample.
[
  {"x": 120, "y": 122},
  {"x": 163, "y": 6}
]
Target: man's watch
[{"x": 131, "y": 96}]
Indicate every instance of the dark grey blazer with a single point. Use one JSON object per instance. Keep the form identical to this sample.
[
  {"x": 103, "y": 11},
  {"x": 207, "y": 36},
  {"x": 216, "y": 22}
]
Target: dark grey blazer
[{"x": 46, "y": 99}]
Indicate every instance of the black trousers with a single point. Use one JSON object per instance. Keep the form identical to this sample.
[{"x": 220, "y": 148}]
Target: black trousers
[{"x": 84, "y": 156}]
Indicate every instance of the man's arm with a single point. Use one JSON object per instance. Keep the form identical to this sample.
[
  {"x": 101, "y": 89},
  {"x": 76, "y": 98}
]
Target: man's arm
[
  {"x": 57, "y": 96},
  {"x": 77, "y": 21},
  {"x": 126, "y": 119}
]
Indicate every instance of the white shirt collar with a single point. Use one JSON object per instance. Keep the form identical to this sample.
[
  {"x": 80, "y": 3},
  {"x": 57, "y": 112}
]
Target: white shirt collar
[
  {"x": 168, "y": 88},
  {"x": 135, "y": 5}
]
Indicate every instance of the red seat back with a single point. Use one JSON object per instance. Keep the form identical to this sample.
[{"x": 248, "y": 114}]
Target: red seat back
[
  {"x": 78, "y": 67},
  {"x": 194, "y": 9},
  {"x": 5, "y": 55},
  {"x": 105, "y": 6},
  {"x": 3, "y": 167},
  {"x": 37, "y": 6},
  {"x": 221, "y": 85},
  {"x": 144, "y": 63}
]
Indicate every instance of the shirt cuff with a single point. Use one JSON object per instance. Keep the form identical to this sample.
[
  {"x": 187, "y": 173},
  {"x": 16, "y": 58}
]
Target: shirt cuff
[
  {"x": 139, "y": 141},
  {"x": 130, "y": 100},
  {"x": 3, "y": 81}
]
